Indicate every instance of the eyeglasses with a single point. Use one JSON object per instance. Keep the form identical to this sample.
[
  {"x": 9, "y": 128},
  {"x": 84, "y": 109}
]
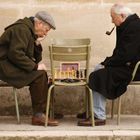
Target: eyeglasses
[{"x": 46, "y": 26}]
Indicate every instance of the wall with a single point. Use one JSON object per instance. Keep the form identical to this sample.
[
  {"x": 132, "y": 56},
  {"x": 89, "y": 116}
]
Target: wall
[{"x": 74, "y": 19}]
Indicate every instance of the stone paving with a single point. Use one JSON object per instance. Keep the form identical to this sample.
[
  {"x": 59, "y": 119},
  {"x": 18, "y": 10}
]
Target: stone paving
[{"x": 129, "y": 129}]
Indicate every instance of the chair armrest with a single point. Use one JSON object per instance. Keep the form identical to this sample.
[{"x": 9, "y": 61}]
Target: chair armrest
[{"x": 135, "y": 70}]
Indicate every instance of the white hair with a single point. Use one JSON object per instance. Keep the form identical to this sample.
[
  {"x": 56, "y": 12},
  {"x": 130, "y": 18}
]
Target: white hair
[
  {"x": 121, "y": 9},
  {"x": 37, "y": 20}
]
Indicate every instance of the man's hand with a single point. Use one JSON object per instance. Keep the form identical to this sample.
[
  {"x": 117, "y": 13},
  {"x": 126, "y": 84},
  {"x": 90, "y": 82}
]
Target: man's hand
[
  {"x": 39, "y": 39},
  {"x": 41, "y": 67},
  {"x": 99, "y": 66}
]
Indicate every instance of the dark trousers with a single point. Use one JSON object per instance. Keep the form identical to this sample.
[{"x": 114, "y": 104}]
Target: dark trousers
[{"x": 38, "y": 90}]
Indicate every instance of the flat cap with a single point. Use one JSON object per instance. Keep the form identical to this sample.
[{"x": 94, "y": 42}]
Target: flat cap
[{"x": 46, "y": 17}]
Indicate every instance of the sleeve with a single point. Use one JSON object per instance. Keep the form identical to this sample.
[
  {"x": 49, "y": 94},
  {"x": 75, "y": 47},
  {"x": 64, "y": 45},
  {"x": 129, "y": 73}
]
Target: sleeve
[
  {"x": 38, "y": 53},
  {"x": 17, "y": 49}
]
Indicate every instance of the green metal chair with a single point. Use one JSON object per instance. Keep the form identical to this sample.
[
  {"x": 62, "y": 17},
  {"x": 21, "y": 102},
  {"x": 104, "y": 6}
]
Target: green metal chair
[
  {"x": 119, "y": 98},
  {"x": 70, "y": 50},
  {"x": 4, "y": 84}
]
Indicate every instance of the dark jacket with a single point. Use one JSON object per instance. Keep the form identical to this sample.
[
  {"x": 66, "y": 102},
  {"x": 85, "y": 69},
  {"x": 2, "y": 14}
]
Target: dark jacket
[
  {"x": 18, "y": 54},
  {"x": 112, "y": 81}
]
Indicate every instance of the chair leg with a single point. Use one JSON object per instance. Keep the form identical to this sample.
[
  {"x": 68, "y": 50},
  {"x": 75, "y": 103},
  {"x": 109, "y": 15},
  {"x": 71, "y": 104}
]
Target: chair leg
[
  {"x": 52, "y": 104},
  {"x": 48, "y": 104},
  {"x": 112, "y": 109},
  {"x": 119, "y": 110},
  {"x": 87, "y": 103},
  {"x": 91, "y": 106},
  {"x": 16, "y": 104}
]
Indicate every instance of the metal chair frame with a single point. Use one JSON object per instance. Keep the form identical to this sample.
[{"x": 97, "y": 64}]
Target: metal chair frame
[
  {"x": 119, "y": 98},
  {"x": 70, "y": 50},
  {"x": 4, "y": 84}
]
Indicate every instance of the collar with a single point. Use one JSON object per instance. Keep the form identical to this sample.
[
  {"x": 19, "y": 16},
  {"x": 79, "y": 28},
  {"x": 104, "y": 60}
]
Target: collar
[{"x": 128, "y": 20}]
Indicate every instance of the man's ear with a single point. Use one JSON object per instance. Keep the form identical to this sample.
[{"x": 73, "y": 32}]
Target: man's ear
[
  {"x": 123, "y": 16},
  {"x": 38, "y": 22}
]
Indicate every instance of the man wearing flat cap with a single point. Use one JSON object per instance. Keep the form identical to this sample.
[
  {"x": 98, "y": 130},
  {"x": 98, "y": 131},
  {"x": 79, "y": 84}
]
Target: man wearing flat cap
[{"x": 20, "y": 54}]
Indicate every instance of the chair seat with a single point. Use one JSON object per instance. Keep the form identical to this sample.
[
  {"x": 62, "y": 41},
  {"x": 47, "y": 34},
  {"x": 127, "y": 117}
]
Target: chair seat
[
  {"x": 59, "y": 83},
  {"x": 4, "y": 84},
  {"x": 134, "y": 83}
]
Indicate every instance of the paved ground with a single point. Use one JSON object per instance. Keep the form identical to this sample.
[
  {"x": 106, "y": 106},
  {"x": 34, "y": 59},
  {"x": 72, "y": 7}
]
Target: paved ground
[
  {"x": 129, "y": 129},
  {"x": 69, "y": 123}
]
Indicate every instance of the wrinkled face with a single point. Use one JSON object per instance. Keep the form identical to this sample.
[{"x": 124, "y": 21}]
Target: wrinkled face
[
  {"x": 117, "y": 19},
  {"x": 41, "y": 28}
]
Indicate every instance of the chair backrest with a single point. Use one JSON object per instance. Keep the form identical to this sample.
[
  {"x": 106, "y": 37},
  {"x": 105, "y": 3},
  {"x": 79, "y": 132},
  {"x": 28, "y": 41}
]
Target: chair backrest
[{"x": 70, "y": 50}]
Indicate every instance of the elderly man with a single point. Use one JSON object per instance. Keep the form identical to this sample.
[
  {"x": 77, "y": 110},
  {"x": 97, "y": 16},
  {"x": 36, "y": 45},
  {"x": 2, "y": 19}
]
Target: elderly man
[
  {"x": 20, "y": 54},
  {"x": 112, "y": 76}
]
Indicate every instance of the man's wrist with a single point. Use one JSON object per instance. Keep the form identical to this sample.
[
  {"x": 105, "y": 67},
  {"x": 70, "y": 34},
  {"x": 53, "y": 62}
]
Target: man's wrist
[
  {"x": 37, "y": 43},
  {"x": 36, "y": 67}
]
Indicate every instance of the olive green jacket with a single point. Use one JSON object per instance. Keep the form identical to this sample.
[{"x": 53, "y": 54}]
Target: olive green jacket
[{"x": 18, "y": 54}]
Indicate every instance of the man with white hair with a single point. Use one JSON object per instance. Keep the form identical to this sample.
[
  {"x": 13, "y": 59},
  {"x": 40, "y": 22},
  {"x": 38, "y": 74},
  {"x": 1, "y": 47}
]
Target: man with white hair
[
  {"x": 20, "y": 54},
  {"x": 111, "y": 77}
]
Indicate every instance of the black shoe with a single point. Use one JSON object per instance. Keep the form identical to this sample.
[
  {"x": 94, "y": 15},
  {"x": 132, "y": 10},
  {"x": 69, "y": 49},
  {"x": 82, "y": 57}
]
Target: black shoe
[
  {"x": 81, "y": 115},
  {"x": 58, "y": 116}
]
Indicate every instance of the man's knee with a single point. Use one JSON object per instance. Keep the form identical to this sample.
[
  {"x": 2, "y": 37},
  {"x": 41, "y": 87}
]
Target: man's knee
[
  {"x": 98, "y": 67},
  {"x": 41, "y": 78},
  {"x": 43, "y": 75}
]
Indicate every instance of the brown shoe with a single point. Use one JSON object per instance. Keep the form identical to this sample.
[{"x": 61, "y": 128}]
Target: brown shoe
[
  {"x": 99, "y": 122},
  {"x": 41, "y": 121},
  {"x": 52, "y": 122},
  {"x": 87, "y": 122}
]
